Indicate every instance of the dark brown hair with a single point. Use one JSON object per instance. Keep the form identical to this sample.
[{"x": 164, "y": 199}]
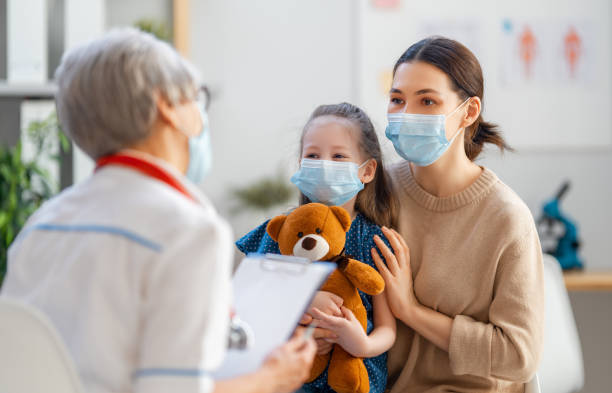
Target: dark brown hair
[
  {"x": 464, "y": 71},
  {"x": 376, "y": 201}
]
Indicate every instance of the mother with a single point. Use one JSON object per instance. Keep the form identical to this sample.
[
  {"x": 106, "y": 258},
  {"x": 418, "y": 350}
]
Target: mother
[{"x": 469, "y": 291}]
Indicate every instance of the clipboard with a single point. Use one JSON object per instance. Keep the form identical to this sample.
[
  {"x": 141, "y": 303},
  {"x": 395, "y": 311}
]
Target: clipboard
[{"x": 271, "y": 293}]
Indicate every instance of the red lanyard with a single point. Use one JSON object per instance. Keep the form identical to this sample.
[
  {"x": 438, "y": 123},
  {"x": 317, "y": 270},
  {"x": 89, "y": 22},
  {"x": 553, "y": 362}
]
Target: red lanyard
[{"x": 144, "y": 167}]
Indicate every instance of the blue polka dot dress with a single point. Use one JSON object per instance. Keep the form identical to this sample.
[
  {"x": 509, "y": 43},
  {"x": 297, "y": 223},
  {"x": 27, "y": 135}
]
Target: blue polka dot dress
[{"x": 359, "y": 241}]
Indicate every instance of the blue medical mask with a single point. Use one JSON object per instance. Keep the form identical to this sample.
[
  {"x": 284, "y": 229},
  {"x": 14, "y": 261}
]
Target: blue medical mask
[
  {"x": 200, "y": 152},
  {"x": 418, "y": 138},
  {"x": 332, "y": 183}
]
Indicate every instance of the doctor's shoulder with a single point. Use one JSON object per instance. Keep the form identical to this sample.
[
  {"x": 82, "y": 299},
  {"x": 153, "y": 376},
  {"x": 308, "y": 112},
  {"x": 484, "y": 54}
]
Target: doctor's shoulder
[{"x": 198, "y": 221}]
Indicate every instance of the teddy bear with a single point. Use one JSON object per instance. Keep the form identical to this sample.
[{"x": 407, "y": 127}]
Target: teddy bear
[{"x": 318, "y": 232}]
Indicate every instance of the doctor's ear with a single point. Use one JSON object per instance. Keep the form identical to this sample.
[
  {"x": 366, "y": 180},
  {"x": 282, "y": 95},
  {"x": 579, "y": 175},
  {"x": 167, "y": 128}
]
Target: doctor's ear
[
  {"x": 274, "y": 226},
  {"x": 166, "y": 112},
  {"x": 474, "y": 107}
]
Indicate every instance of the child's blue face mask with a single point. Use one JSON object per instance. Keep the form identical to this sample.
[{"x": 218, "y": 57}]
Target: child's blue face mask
[
  {"x": 332, "y": 183},
  {"x": 418, "y": 138}
]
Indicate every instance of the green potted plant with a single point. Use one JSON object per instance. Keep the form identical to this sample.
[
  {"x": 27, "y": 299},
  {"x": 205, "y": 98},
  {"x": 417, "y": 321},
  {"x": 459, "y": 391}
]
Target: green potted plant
[
  {"x": 25, "y": 184},
  {"x": 156, "y": 27},
  {"x": 263, "y": 194}
]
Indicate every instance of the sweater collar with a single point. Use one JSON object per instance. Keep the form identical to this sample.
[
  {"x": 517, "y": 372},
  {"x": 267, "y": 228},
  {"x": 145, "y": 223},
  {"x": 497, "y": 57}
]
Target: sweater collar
[{"x": 474, "y": 192}]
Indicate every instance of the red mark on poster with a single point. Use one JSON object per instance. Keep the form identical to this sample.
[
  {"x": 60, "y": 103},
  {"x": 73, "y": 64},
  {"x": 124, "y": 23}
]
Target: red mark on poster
[
  {"x": 386, "y": 3},
  {"x": 527, "y": 49},
  {"x": 573, "y": 49}
]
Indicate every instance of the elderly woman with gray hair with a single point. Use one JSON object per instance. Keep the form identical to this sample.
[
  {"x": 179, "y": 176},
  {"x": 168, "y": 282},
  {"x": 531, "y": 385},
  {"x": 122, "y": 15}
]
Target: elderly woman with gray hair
[{"x": 133, "y": 265}]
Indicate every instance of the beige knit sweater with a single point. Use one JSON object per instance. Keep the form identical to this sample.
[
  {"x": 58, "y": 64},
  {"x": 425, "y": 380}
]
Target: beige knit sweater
[{"x": 475, "y": 257}]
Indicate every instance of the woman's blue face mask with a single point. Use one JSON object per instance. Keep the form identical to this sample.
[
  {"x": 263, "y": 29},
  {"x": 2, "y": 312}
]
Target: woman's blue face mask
[{"x": 418, "y": 138}]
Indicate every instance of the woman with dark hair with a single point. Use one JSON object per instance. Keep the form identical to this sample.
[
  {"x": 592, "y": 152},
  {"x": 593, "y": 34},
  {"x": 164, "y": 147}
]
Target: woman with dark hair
[{"x": 464, "y": 272}]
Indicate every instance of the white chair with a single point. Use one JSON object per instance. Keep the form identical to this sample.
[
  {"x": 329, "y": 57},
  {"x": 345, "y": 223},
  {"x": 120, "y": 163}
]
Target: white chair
[
  {"x": 533, "y": 386},
  {"x": 561, "y": 369},
  {"x": 33, "y": 357}
]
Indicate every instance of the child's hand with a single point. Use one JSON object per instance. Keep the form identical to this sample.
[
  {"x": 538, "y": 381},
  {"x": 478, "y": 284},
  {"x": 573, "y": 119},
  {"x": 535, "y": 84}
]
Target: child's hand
[
  {"x": 351, "y": 335},
  {"x": 323, "y": 346},
  {"x": 328, "y": 303}
]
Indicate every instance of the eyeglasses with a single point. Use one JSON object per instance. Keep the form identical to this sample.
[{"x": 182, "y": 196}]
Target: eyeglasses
[{"x": 203, "y": 97}]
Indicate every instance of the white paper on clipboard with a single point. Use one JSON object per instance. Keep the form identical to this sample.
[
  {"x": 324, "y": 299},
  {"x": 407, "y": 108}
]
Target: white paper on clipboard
[{"x": 271, "y": 293}]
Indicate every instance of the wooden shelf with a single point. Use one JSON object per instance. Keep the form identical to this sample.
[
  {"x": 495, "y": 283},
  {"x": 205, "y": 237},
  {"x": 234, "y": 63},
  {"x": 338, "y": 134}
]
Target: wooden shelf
[{"x": 588, "y": 280}]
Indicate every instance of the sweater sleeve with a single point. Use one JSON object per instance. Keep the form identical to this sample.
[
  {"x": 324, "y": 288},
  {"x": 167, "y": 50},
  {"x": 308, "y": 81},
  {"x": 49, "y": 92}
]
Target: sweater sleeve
[{"x": 508, "y": 346}]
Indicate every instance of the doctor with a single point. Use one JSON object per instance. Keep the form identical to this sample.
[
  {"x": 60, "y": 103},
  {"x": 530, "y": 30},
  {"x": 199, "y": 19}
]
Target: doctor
[{"x": 132, "y": 266}]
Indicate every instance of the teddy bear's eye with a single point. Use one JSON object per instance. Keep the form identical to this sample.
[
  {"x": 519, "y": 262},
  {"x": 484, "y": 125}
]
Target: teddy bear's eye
[
  {"x": 318, "y": 230},
  {"x": 300, "y": 234}
]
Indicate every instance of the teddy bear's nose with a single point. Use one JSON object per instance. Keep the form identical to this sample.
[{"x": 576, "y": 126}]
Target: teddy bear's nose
[{"x": 309, "y": 243}]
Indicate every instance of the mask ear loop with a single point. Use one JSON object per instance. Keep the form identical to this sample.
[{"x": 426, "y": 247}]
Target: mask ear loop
[
  {"x": 449, "y": 115},
  {"x": 364, "y": 163},
  {"x": 361, "y": 166}
]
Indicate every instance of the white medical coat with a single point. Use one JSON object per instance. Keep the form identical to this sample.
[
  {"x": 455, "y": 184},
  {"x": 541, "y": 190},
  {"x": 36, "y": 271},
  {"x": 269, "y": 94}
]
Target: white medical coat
[{"x": 135, "y": 277}]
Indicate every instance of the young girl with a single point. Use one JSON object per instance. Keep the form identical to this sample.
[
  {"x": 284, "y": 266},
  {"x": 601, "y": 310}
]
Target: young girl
[{"x": 342, "y": 165}]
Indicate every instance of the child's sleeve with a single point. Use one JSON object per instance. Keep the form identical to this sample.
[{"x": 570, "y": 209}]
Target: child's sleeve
[{"x": 258, "y": 241}]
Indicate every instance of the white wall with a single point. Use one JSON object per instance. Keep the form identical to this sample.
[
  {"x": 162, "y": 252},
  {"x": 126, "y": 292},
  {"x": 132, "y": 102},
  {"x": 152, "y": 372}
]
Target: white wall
[{"x": 269, "y": 64}]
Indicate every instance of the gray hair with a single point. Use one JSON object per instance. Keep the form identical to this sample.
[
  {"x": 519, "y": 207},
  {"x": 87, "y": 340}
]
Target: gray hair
[{"x": 107, "y": 89}]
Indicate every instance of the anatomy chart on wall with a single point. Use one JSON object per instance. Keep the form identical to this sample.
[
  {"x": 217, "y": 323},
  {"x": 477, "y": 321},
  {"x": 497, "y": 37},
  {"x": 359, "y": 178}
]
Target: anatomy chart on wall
[{"x": 548, "y": 52}]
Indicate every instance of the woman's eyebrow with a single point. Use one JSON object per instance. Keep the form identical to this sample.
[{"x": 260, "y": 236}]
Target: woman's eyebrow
[
  {"x": 418, "y": 92},
  {"x": 426, "y": 91}
]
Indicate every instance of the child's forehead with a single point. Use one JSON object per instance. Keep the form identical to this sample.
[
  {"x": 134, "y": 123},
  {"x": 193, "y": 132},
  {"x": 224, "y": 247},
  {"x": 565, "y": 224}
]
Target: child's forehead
[{"x": 331, "y": 130}]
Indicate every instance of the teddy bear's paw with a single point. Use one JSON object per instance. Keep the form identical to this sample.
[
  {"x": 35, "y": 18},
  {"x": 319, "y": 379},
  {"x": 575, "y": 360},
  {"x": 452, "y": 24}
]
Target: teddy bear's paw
[
  {"x": 347, "y": 374},
  {"x": 318, "y": 366}
]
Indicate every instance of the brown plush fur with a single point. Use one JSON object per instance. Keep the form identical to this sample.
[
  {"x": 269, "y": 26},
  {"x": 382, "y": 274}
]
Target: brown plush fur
[{"x": 346, "y": 374}]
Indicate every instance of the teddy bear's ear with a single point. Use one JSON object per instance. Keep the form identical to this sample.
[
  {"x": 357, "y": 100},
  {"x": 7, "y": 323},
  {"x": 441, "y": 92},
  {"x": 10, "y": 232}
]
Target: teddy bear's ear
[
  {"x": 342, "y": 216},
  {"x": 274, "y": 226}
]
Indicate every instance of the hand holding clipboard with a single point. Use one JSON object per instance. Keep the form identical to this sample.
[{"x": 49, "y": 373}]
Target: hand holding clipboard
[{"x": 271, "y": 293}]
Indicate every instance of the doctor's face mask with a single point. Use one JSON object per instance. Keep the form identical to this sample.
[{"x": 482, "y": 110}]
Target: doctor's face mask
[{"x": 200, "y": 149}]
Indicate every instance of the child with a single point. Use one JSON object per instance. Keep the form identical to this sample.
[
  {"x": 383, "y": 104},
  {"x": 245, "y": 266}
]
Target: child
[{"x": 342, "y": 165}]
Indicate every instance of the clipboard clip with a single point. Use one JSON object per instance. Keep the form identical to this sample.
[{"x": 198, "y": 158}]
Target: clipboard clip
[
  {"x": 241, "y": 335},
  {"x": 290, "y": 264}
]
